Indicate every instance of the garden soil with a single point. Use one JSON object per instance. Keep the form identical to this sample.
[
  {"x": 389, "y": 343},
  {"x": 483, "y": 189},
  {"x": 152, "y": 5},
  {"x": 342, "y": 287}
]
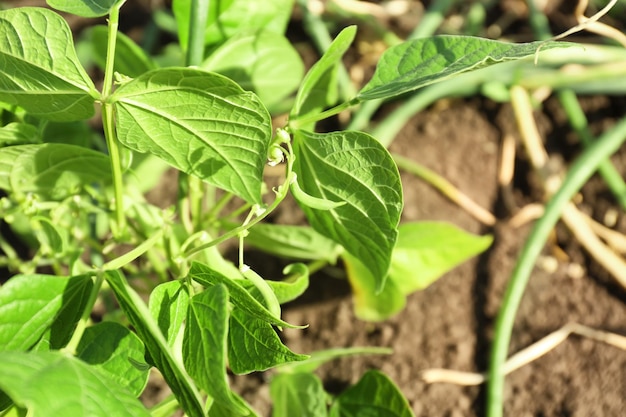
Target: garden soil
[{"x": 450, "y": 324}]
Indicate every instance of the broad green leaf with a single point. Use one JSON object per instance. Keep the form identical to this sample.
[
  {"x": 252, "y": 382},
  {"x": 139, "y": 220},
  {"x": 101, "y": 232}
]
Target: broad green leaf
[
  {"x": 204, "y": 345},
  {"x": 36, "y": 307},
  {"x": 182, "y": 13},
  {"x": 318, "y": 88},
  {"x": 115, "y": 350},
  {"x": 352, "y": 167},
  {"x": 39, "y": 69},
  {"x": 370, "y": 303},
  {"x": 199, "y": 122},
  {"x": 254, "y": 345},
  {"x": 84, "y": 8},
  {"x": 238, "y": 294},
  {"x": 168, "y": 304},
  {"x": 263, "y": 62},
  {"x": 374, "y": 395},
  {"x": 419, "y": 62},
  {"x": 427, "y": 250},
  {"x": 294, "y": 242},
  {"x": 54, "y": 384},
  {"x": 160, "y": 353},
  {"x": 299, "y": 394},
  {"x": 53, "y": 170},
  {"x": 320, "y": 357},
  {"x": 130, "y": 59},
  {"x": 19, "y": 133}
]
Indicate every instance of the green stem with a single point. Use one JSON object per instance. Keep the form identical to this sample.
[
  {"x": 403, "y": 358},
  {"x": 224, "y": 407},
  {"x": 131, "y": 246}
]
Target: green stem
[
  {"x": 578, "y": 174},
  {"x": 130, "y": 256},
  {"x": 191, "y": 187},
  {"x": 312, "y": 118},
  {"x": 108, "y": 122},
  {"x": 578, "y": 120}
]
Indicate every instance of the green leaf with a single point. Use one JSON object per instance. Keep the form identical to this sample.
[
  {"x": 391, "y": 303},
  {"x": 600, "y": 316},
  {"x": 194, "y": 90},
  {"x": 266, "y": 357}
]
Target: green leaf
[
  {"x": 355, "y": 168},
  {"x": 263, "y": 62},
  {"x": 199, "y": 122},
  {"x": 419, "y": 62},
  {"x": 374, "y": 395},
  {"x": 204, "y": 345},
  {"x": 427, "y": 250},
  {"x": 53, "y": 170},
  {"x": 238, "y": 294},
  {"x": 115, "y": 350},
  {"x": 255, "y": 346},
  {"x": 36, "y": 307},
  {"x": 130, "y": 59},
  {"x": 168, "y": 304},
  {"x": 84, "y": 8},
  {"x": 294, "y": 242},
  {"x": 299, "y": 394},
  {"x": 287, "y": 290},
  {"x": 318, "y": 88},
  {"x": 39, "y": 69},
  {"x": 371, "y": 303},
  {"x": 19, "y": 133},
  {"x": 160, "y": 353},
  {"x": 53, "y": 384}
]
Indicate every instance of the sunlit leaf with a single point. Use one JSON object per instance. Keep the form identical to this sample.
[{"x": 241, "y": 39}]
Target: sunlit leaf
[
  {"x": 54, "y": 170},
  {"x": 199, "y": 122},
  {"x": 36, "y": 307},
  {"x": 419, "y": 62},
  {"x": 168, "y": 304},
  {"x": 352, "y": 167},
  {"x": 39, "y": 69},
  {"x": 55, "y": 384},
  {"x": 427, "y": 250}
]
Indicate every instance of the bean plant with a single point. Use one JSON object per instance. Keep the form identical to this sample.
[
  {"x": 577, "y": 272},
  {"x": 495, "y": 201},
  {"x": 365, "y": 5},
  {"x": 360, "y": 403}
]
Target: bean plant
[{"x": 77, "y": 159}]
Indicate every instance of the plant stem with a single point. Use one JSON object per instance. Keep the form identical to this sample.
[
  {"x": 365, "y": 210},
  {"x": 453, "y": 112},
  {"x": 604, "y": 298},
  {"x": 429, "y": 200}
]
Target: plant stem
[
  {"x": 578, "y": 120},
  {"x": 579, "y": 173},
  {"x": 316, "y": 117},
  {"x": 130, "y": 256},
  {"x": 432, "y": 19},
  {"x": 108, "y": 122}
]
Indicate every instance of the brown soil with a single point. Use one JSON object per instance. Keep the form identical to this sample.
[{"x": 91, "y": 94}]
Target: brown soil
[{"x": 449, "y": 325}]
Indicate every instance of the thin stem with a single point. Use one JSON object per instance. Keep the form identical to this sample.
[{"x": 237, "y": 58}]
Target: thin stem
[
  {"x": 578, "y": 120},
  {"x": 432, "y": 19},
  {"x": 316, "y": 117},
  {"x": 133, "y": 254},
  {"x": 579, "y": 173},
  {"x": 108, "y": 122},
  {"x": 197, "y": 25}
]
